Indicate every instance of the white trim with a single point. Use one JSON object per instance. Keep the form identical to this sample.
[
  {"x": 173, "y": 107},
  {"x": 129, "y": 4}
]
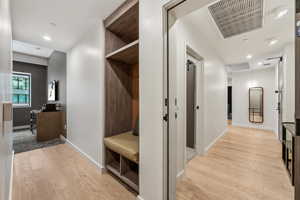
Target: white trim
[
  {"x": 262, "y": 127},
  {"x": 139, "y": 198},
  {"x": 21, "y": 127},
  {"x": 11, "y": 175},
  {"x": 180, "y": 175},
  {"x": 98, "y": 165},
  {"x": 215, "y": 140}
]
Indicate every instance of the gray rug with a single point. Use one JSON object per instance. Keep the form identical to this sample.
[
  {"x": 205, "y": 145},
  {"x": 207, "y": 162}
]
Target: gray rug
[{"x": 26, "y": 141}]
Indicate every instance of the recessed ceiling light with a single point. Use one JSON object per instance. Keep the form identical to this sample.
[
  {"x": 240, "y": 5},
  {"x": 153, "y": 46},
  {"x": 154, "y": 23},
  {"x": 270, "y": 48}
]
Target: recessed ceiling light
[
  {"x": 52, "y": 24},
  {"x": 259, "y": 63},
  {"x": 281, "y": 13},
  {"x": 47, "y": 38},
  {"x": 249, "y": 56},
  {"x": 272, "y": 42}
]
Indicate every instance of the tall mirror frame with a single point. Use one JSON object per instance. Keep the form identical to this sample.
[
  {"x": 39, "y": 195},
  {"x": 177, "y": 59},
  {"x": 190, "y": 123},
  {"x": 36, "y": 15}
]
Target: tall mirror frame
[{"x": 256, "y": 105}]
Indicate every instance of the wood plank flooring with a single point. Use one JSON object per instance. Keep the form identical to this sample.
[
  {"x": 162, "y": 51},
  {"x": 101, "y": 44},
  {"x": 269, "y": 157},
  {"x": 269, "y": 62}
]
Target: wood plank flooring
[
  {"x": 245, "y": 164},
  {"x": 60, "y": 173}
]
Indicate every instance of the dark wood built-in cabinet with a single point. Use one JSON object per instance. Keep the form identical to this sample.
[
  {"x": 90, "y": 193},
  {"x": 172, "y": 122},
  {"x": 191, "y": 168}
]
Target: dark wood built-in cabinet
[
  {"x": 122, "y": 90},
  {"x": 288, "y": 148}
]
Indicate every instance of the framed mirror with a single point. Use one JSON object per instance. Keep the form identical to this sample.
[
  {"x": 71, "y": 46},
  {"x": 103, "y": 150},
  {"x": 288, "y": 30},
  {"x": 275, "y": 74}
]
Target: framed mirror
[{"x": 256, "y": 105}]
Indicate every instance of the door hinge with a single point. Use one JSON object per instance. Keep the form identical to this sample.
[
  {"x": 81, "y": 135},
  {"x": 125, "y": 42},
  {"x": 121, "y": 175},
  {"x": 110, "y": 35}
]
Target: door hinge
[
  {"x": 166, "y": 117},
  {"x": 166, "y": 101}
]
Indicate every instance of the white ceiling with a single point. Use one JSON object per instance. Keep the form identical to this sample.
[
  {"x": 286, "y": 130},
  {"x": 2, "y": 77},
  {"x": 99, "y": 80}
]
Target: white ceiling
[
  {"x": 234, "y": 50},
  {"x": 30, "y": 49},
  {"x": 72, "y": 18}
]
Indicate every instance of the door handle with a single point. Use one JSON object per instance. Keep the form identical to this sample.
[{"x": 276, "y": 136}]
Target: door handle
[{"x": 197, "y": 107}]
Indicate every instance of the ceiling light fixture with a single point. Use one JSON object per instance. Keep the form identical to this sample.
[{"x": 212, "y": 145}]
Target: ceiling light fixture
[
  {"x": 47, "y": 38},
  {"x": 259, "y": 63},
  {"x": 52, "y": 24},
  {"x": 281, "y": 13},
  {"x": 272, "y": 42},
  {"x": 249, "y": 56}
]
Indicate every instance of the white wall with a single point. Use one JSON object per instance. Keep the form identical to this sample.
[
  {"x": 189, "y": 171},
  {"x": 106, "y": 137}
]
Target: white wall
[
  {"x": 151, "y": 97},
  {"x": 288, "y": 104},
  {"x": 30, "y": 59},
  {"x": 214, "y": 105},
  {"x": 241, "y": 81},
  {"x": 85, "y": 94},
  {"x": 5, "y": 96}
]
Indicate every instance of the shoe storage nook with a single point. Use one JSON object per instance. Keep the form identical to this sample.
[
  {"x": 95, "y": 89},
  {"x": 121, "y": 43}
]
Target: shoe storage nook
[{"x": 122, "y": 93}]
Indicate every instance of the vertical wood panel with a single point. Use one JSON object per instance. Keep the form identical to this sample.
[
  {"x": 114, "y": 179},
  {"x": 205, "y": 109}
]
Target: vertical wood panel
[
  {"x": 118, "y": 98},
  {"x": 135, "y": 94}
]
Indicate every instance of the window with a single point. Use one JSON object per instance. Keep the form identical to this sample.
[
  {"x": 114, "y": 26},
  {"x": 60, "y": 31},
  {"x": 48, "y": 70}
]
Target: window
[{"x": 21, "y": 83}]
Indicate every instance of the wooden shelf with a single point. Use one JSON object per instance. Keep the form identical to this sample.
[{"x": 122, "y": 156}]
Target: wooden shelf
[
  {"x": 124, "y": 22},
  {"x": 128, "y": 54}
]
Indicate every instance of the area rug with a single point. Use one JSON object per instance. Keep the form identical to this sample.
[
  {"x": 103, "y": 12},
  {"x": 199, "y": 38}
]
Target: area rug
[{"x": 26, "y": 141}]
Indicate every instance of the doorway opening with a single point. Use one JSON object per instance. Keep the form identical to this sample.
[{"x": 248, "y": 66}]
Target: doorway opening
[
  {"x": 235, "y": 61},
  {"x": 194, "y": 93}
]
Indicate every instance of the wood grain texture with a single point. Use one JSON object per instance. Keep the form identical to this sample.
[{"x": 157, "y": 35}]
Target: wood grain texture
[
  {"x": 128, "y": 54},
  {"x": 7, "y": 112},
  {"x": 112, "y": 42},
  {"x": 49, "y": 125},
  {"x": 60, "y": 173},
  {"x": 135, "y": 94},
  {"x": 124, "y": 21},
  {"x": 245, "y": 164},
  {"x": 118, "y": 98}
]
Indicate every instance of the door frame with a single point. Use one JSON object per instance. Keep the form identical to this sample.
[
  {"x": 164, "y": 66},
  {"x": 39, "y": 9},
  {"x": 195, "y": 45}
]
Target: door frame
[
  {"x": 169, "y": 172},
  {"x": 199, "y": 101}
]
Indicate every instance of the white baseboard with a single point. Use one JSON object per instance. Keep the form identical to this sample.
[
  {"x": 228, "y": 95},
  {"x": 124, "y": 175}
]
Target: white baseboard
[
  {"x": 21, "y": 127},
  {"x": 215, "y": 140},
  {"x": 98, "y": 165},
  {"x": 11, "y": 176},
  {"x": 180, "y": 174},
  {"x": 139, "y": 198},
  {"x": 262, "y": 127}
]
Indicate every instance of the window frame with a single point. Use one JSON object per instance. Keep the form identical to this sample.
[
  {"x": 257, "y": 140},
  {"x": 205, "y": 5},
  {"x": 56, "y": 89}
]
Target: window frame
[{"x": 30, "y": 92}]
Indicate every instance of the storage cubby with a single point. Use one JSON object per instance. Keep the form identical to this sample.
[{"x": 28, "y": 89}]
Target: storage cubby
[
  {"x": 122, "y": 92},
  {"x": 113, "y": 161}
]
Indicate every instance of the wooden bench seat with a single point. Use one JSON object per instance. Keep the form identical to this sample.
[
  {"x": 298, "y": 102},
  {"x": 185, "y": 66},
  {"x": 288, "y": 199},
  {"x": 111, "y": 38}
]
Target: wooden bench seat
[{"x": 125, "y": 144}]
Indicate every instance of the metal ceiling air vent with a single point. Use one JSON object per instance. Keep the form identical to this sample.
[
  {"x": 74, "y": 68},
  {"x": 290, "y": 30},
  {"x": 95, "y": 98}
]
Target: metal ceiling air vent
[
  {"x": 238, "y": 67},
  {"x": 234, "y": 17}
]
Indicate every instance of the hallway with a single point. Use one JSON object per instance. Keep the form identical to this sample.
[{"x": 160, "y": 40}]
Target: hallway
[
  {"x": 245, "y": 164},
  {"x": 60, "y": 173}
]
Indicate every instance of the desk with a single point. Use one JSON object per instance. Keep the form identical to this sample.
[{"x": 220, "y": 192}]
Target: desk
[{"x": 49, "y": 125}]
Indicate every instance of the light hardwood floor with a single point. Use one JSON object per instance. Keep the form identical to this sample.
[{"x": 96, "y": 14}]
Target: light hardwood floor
[
  {"x": 60, "y": 173},
  {"x": 245, "y": 164}
]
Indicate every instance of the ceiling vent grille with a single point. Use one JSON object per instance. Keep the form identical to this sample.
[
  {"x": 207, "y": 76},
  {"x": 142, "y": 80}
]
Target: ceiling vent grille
[
  {"x": 234, "y": 17},
  {"x": 238, "y": 67}
]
